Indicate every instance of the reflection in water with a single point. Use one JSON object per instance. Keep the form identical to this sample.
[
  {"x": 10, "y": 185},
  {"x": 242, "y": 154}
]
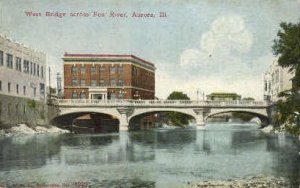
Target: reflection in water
[
  {"x": 27, "y": 151},
  {"x": 285, "y": 156},
  {"x": 157, "y": 158}
]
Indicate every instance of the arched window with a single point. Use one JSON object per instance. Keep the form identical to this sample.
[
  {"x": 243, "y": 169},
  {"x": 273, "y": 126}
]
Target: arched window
[{"x": 74, "y": 95}]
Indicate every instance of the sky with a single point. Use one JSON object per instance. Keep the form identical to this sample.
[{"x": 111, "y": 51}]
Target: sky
[{"x": 204, "y": 45}]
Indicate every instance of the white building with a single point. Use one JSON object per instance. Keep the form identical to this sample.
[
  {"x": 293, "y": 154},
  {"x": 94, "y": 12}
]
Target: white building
[
  {"x": 277, "y": 79},
  {"x": 22, "y": 71}
]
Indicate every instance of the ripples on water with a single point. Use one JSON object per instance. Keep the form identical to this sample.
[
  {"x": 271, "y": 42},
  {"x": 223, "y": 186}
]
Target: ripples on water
[{"x": 157, "y": 158}]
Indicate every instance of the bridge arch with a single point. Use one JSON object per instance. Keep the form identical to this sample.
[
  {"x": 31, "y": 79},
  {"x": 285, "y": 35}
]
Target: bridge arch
[
  {"x": 136, "y": 120},
  {"x": 141, "y": 111},
  {"x": 261, "y": 114},
  {"x": 67, "y": 119}
]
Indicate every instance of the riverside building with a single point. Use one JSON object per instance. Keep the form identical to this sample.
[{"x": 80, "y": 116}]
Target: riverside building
[
  {"x": 22, "y": 81},
  {"x": 102, "y": 76},
  {"x": 276, "y": 80}
]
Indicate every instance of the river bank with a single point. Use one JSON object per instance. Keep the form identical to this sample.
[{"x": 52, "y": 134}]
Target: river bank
[
  {"x": 257, "y": 181},
  {"x": 23, "y": 129}
]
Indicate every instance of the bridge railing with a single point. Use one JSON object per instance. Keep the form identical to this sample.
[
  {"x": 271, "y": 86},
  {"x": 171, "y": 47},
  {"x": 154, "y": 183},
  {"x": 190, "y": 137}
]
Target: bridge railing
[{"x": 127, "y": 102}]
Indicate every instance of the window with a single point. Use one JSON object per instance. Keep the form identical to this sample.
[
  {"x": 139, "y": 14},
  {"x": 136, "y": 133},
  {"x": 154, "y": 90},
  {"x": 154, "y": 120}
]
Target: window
[
  {"x": 266, "y": 86},
  {"x": 82, "y": 70},
  {"x": 17, "y": 88},
  {"x": 74, "y": 70},
  {"x": 121, "y": 69},
  {"x": 18, "y": 64},
  {"x": 34, "y": 69},
  {"x": 112, "y": 70},
  {"x": 26, "y": 66},
  {"x": 31, "y": 67},
  {"x": 102, "y": 69},
  {"x": 82, "y": 82},
  {"x": 83, "y": 95},
  {"x": 42, "y": 71},
  {"x": 38, "y": 70},
  {"x": 112, "y": 82},
  {"x": 24, "y": 90},
  {"x": 0, "y": 85},
  {"x": 93, "y": 70},
  {"x": 93, "y": 82},
  {"x": 8, "y": 87},
  {"x": 1, "y": 58},
  {"x": 74, "y": 82},
  {"x": 101, "y": 82},
  {"x": 135, "y": 71},
  {"x": 9, "y": 60},
  {"x": 120, "y": 82},
  {"x": 42, "y": 89},
  {"x": 74, "y": 95},
  {"x": 24, "y": 109}
]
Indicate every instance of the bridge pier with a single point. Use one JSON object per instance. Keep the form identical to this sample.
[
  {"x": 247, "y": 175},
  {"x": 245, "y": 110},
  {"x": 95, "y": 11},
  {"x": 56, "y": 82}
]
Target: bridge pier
[
  {"x": 199, "y": 116},
  {"x": 123, "y": 123},
  {"x": 124, "y": 113}
]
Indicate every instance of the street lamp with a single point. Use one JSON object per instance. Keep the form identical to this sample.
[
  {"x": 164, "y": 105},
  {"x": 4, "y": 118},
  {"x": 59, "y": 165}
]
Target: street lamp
[{"x": 136, "y": 95}]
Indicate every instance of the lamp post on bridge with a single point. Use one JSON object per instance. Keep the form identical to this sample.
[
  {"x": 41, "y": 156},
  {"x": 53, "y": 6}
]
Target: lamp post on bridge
[{"x": 137, "y": 95}]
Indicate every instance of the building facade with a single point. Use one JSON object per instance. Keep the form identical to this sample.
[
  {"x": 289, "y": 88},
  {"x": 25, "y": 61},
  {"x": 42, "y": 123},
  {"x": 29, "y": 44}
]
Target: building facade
[
  {"x": 276, "y": 80},
  {"x": 100, "y": 76},
  {"x": 223, "y": 96},
  {"x": 22, "y": 80}
]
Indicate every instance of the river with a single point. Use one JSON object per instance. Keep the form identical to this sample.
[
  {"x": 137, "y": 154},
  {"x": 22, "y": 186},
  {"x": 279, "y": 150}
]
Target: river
[{"x": 155, "y": 158}]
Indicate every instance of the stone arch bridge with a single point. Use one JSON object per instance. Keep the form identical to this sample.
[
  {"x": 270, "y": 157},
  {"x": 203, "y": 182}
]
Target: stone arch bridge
[{"x": 125, "y": 110}]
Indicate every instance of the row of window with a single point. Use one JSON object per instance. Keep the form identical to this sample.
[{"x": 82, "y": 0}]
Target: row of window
[
  {"x": 28, "y": 67},
  {"x": 93, "y": 70},
  {"x": 17, "y": 88},
  {"x": 113, "y": 82}
]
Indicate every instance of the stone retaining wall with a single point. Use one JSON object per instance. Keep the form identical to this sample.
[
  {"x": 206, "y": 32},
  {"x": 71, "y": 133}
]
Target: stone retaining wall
[{"x": 16, "y": 110}]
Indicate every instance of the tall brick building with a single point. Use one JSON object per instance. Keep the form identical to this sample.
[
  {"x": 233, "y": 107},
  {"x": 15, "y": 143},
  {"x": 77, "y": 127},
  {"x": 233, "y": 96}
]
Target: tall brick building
[{"x": 100, "y": 76}]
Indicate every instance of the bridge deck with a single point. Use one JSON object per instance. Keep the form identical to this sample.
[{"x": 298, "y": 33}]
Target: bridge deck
[{"x": 159, "y": 103}]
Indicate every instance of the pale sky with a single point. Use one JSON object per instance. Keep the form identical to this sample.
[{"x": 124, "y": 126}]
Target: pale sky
[{"x": 213, "y": 45}]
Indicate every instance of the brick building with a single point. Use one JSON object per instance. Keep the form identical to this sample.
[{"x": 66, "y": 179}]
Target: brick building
[{"x": 100, "y": 76}]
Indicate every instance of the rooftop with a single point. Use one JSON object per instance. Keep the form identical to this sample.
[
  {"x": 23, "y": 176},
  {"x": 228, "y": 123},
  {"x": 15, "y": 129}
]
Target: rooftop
[
  {"x": 67, "y": 55},
  {"x": 223, "y": 94}
]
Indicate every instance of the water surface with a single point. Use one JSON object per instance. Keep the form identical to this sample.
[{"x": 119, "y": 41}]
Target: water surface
[{"x": 156, "y": 158}]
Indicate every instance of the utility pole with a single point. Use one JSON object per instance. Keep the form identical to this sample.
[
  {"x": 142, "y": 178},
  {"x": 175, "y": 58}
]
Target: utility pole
[
  {"x": 58, "y": 82},
  {"x": 49, "y": 83}
]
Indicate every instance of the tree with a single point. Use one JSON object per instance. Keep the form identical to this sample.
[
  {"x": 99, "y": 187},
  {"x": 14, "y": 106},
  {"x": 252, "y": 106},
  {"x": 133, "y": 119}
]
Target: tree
[
  {"x": 287, "y": 48},
  {"x": 176, "y": 118},
  {"x": 178, "y": 95}
]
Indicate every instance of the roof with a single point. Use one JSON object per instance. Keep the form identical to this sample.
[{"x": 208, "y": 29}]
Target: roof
[
  {"x": 223, "y": 94},
  {"x": 66, "y": 55}
]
